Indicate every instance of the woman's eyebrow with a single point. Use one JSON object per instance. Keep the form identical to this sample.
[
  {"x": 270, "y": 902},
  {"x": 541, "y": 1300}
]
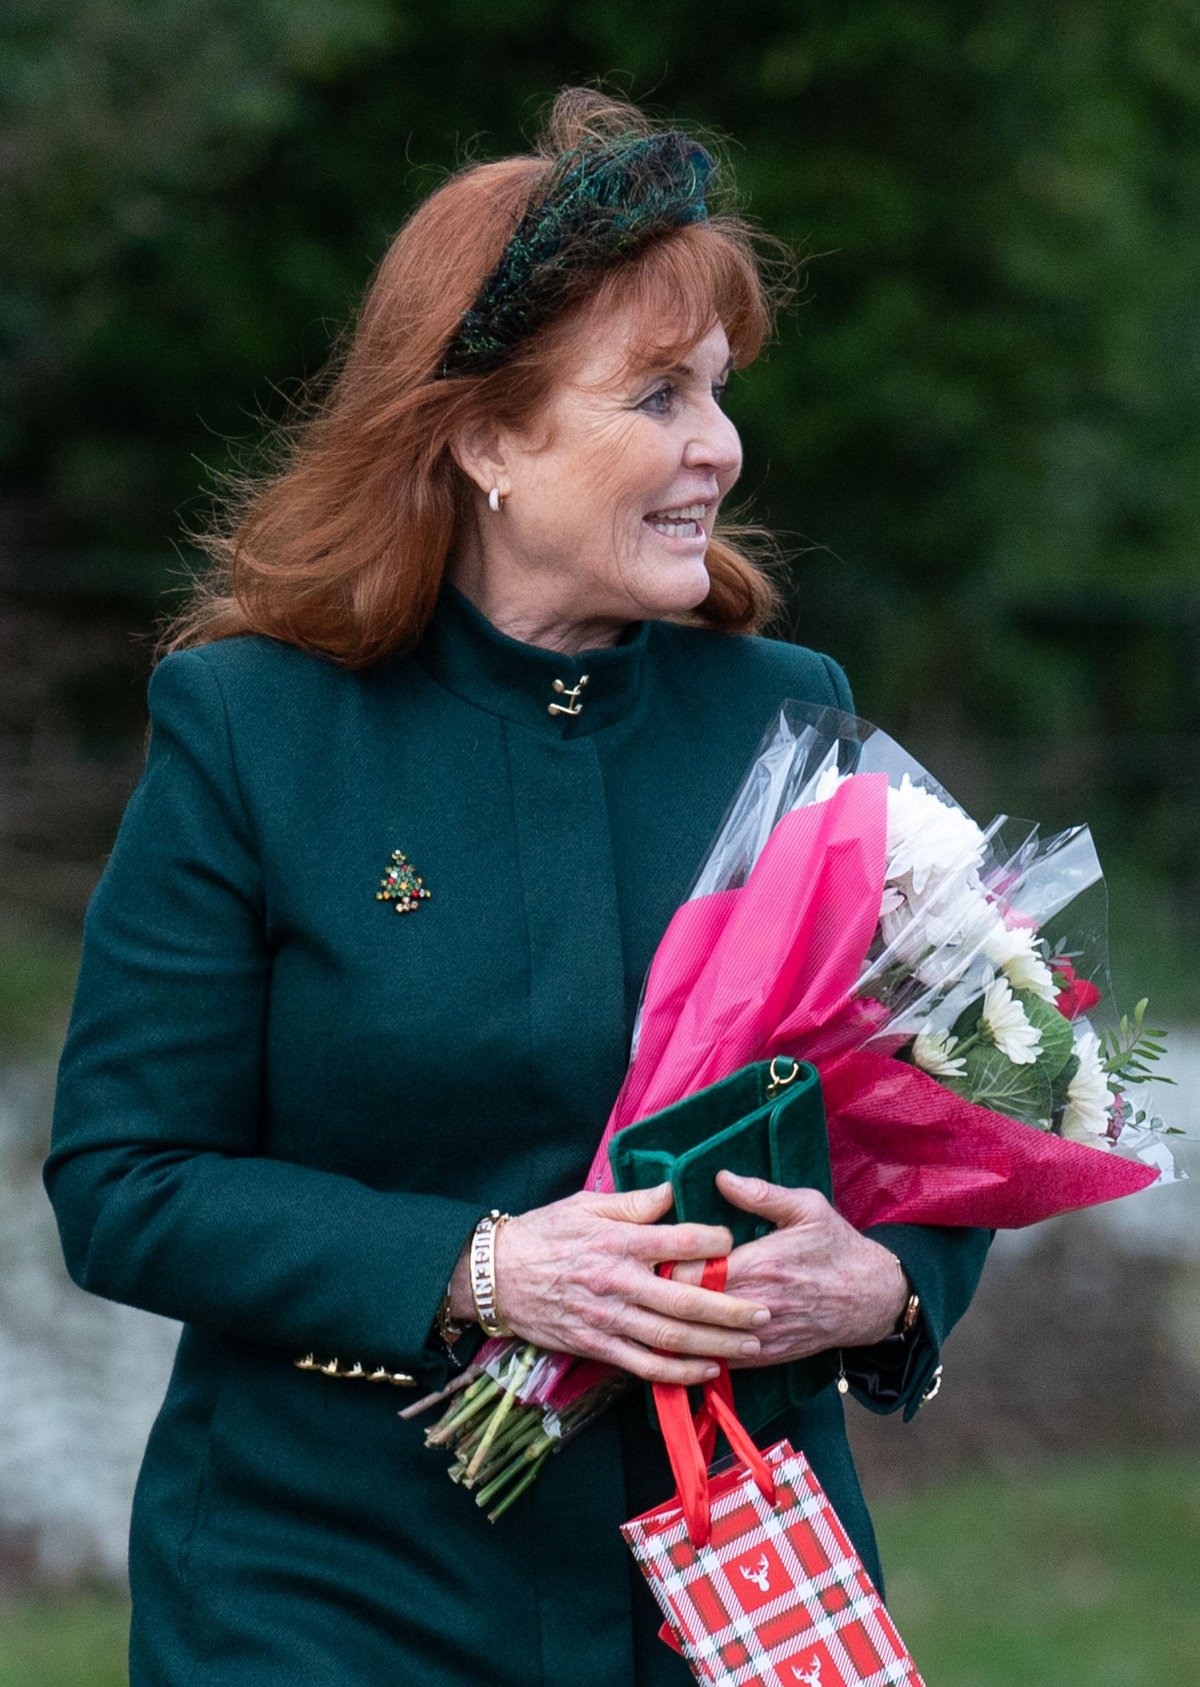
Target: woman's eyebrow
[{"x": 686, "y": 370}]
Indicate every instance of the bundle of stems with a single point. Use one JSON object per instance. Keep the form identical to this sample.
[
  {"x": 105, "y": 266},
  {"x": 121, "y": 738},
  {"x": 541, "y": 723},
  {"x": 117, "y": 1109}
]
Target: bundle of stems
[{"x": 500, "y": 1442}]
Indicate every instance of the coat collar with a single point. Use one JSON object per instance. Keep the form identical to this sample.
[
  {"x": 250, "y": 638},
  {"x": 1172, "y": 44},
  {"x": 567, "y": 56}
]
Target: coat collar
[{"x": 462, "y": 650}]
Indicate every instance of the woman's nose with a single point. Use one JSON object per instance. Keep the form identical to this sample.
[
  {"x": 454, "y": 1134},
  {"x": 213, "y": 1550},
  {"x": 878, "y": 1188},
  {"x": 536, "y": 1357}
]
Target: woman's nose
[{"x": 715, "y": 444}]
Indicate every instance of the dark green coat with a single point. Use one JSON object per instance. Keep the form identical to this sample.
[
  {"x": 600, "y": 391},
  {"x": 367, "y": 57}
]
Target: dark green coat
[{"x": 282, "y": 1108}]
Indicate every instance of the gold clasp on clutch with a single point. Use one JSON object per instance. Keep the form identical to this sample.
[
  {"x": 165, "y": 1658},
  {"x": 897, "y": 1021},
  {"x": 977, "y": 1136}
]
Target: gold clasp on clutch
[{"x": 780, "y": 1080}]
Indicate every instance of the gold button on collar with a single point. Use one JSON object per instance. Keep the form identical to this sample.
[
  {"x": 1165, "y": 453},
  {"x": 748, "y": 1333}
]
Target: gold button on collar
[{"x": 575, "y": 704}]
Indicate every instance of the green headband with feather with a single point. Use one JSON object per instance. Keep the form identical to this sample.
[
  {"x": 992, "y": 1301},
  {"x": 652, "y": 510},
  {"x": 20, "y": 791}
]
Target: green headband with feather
[{"x": 603, "y": 201}]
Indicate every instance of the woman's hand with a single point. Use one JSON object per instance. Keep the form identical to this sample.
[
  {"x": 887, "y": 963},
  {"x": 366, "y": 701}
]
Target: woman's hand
[
  {"x": 825, "y": 1284},
  {"x": 578, "y": 1276}
]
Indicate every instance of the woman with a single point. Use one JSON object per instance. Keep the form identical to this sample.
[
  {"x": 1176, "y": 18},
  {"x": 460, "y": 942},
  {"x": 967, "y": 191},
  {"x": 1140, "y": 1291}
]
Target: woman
[{"x": 479, "y": 618}]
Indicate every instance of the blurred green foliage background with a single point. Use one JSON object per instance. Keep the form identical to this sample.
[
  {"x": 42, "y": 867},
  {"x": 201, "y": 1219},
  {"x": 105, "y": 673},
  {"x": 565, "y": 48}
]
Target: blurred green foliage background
[
  {"x": 1080, "y": 1578},
  {"x": 978, "y": 434}
]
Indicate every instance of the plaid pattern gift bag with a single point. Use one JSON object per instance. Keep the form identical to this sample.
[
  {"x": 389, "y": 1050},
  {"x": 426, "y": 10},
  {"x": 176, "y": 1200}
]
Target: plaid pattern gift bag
[{"x": 754, "y": 1573}]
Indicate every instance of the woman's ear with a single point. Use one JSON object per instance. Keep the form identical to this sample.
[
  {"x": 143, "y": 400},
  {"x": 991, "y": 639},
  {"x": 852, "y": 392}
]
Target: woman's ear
[{"x": 479, "y": 451}]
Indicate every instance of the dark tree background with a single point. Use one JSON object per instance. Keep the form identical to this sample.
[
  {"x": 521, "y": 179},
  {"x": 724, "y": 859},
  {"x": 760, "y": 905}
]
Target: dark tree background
[{"x": 978, "y": 434}]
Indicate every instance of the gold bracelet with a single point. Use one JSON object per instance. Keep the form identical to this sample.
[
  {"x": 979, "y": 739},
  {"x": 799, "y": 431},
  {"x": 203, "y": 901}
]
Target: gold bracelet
[
  {"x": 450, "y": 1328},
  {"x": 906, "y": 1322},
  {"x": 483, "y": 1274}
]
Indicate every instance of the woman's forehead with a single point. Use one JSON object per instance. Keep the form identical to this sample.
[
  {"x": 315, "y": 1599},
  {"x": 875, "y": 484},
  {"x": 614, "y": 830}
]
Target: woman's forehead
[{"x": 623, "y": 346}]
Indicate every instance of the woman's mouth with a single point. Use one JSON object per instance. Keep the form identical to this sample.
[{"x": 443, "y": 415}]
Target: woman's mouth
[{"x": 686, "y": 522}]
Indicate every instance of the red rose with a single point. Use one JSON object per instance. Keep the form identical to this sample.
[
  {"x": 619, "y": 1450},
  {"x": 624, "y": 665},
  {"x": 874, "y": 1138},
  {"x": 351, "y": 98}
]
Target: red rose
[{"x": 1077, "y": 995}]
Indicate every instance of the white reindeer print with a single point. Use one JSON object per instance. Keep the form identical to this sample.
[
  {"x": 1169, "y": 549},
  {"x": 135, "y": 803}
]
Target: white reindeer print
[
  {"x": 761, "y": 1577},
  {"x": 809, "y": 1677}
]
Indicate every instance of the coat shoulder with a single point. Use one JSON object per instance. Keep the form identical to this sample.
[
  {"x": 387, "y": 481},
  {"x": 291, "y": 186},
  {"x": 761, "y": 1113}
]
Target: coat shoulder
[
  {"x": 267, "y": 692},
  {"x": 250, "y": 664},
  {"x": 775, "y": 665}
]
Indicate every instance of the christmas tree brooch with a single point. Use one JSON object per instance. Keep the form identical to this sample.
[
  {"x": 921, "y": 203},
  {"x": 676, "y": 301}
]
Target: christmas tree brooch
[{"x": 401, "y": 885}]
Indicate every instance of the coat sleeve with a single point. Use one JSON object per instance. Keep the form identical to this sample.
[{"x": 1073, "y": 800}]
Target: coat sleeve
[
  {"x": 163, "y": 1195},
  {"x": 943, "y": 1264}
]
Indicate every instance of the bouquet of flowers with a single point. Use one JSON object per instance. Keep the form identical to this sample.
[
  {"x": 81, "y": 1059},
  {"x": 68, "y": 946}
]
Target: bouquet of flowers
[{"x": 948, "y": 981}]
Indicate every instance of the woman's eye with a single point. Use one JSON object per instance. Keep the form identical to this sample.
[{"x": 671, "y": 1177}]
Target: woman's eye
[
  {"x": 651, "y": 401},
  {"x": 660, "y": 400}
]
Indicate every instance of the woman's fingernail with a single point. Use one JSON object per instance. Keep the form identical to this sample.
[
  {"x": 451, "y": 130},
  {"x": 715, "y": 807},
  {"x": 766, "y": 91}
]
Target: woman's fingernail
[
  {"x": 752, "y": 1345},
  {"x": 761, "y": 1317},
  {"x": 712, "y": 1370}
]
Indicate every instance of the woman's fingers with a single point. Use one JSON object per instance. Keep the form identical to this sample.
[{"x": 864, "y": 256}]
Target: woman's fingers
[
  {"x": 632, "y": 1206},
  {"x": 578, "y": 1276},
  {"x": 646, "y": 1239},
  {"x": 657, "y": 1242},
  {"x": 701, "y": 1306},
  {"x": 643, "y": 1362},
  {"x": 652, "y": 1329}
]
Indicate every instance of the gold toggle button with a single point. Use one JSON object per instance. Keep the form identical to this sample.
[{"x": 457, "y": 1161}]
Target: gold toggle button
[
  {"x": 575, "y": 706},
  {"x": 356, "y": 1372}
]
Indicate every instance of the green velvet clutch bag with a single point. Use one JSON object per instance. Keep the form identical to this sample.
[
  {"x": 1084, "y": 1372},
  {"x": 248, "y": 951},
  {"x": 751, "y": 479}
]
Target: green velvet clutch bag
[{"x": 766, "y": 1120}]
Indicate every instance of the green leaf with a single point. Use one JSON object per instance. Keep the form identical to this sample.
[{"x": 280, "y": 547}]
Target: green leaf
[
  {"x": 1057, "y": 1039},
  {"x": 967, "y": 1022},
  {"x": 991, "y": 1079}
]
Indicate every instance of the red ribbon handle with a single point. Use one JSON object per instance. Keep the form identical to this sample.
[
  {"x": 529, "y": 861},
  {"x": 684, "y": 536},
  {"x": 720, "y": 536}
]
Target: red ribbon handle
[{"x": 691, "y": 1441}]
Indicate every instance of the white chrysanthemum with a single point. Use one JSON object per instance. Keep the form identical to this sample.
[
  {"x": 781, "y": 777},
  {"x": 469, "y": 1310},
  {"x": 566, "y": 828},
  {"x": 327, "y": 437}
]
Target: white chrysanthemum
[
  {"x": 1015, "y": 953},
  {"x": 937, "y": 936},
  {"x": 1088, "y": 1097},
  {"x": 933, "y": 1052},
  {"x": 1007, "y": 1025},
  {"x": 927, "y": 837}
]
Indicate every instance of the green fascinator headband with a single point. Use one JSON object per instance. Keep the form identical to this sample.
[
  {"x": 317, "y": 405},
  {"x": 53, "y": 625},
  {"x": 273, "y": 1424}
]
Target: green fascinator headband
[{"x": 603, "y": 201}]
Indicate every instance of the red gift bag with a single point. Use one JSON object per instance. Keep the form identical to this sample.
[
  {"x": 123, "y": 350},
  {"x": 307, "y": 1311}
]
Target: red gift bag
[{"x": 751, "y": 1566}]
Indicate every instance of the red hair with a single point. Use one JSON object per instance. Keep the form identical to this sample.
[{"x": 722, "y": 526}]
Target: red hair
[{"x": 341, "y": 546}]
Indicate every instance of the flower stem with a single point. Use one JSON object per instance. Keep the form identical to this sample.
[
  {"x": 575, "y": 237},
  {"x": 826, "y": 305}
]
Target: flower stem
[
  {"x": 474, "y": 1400},
  {"x": 511, "y": 1385},
  {"x": 529, "y": 1477},
  {"x": 535, "y": 1450},
  {"x": 509, "y": 1448},
  {"x": 463, "y": 1380},
  {"x": 513, "y": 1468}
]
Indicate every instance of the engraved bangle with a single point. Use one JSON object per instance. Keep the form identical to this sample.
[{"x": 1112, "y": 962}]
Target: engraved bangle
[{"x": 483, "y": 1274}]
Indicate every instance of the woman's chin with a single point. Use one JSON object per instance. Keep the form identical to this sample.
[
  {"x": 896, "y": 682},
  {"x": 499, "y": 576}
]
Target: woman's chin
[
  {"x": 694, "y": 587},
  {"x": 675, "y": 585}
]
